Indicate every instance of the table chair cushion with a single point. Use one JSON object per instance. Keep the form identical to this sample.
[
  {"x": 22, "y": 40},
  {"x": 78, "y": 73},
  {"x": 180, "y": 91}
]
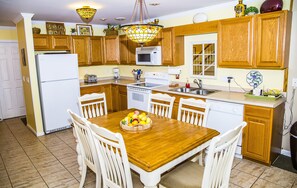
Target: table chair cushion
[{"x": 188, "y": 174}]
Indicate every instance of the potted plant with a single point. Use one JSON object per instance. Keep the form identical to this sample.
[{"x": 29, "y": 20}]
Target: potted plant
[
  {"x": 73, "y": 31},
  {"x": 251, "y": 11},
  {"x": 111, "y": 30}
]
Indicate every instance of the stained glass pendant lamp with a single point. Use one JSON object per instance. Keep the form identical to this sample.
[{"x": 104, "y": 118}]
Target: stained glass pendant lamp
[
  {"x": 141, "y": 32},
  {"x": 86, "y": 13}
]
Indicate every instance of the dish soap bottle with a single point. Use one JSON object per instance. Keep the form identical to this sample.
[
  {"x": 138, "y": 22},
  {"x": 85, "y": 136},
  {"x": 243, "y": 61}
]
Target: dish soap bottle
[{"x": 188, "y": 84}]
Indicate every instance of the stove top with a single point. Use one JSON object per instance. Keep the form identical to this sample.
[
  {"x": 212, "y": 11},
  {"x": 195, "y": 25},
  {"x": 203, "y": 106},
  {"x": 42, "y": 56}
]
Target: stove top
[{"x": 144, "y": 85}]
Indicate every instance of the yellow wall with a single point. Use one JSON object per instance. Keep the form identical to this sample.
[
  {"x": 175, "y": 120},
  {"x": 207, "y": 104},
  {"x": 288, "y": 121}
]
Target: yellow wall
[
  {"x": 8, "y": 33},
  {"x": 31, "y": 92}
]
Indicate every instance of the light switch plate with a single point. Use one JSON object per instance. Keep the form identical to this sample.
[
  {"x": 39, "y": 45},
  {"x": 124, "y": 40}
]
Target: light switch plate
[{"x": 294, "y": 83}]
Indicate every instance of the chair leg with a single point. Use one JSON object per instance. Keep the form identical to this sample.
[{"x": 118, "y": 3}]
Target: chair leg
[
  {"x": 83, "y": 175},
  {"x": 98, "y": 180}
]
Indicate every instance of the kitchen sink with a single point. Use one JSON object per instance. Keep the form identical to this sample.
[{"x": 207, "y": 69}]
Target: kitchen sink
[
  {"x": 184, "y": 89},
  {"x": 192, "y": 90},
  {"x": 203, "y": 91}
]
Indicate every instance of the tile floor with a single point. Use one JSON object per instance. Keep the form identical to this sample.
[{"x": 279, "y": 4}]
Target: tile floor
[{"x": 50, "y": 161}]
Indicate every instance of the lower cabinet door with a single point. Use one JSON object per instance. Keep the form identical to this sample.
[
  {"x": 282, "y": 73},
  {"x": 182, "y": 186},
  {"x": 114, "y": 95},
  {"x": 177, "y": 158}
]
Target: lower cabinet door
[{"x": 256, "y": 141}]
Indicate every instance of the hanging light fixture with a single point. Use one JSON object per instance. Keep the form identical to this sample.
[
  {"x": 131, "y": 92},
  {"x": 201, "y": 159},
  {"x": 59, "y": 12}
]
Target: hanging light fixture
[
  {"x": 86, "y": 13},
  {"x": 141, "y": 32}
]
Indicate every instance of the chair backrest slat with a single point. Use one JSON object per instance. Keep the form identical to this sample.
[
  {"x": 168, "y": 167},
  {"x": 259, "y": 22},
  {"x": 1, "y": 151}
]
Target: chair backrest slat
[
  {"x": 220, "y": 158},
  {"x": 193, "y": 111},
  {"x": 85, "y": 140},
  {"x": 161, "y": 104},
  {"x": 93, "y": 105},
  {"x": 113, "y": 158}
]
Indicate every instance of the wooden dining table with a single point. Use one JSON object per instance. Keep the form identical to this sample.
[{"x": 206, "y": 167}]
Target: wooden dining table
[{"x": 168, "y": 143}]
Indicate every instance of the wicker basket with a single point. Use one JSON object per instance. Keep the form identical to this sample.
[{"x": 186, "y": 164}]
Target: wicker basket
[
  {"x": 111, "y": 32},
  {"x": 36, "y": 30}
]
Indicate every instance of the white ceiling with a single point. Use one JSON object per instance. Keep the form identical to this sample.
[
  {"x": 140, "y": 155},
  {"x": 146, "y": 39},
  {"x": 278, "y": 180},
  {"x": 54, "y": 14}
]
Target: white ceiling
[{"x": 64, "y": 10}]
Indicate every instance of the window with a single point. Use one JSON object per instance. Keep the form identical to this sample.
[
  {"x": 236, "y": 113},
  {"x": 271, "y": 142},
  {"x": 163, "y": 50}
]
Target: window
[{"x": 204, "y": 59}]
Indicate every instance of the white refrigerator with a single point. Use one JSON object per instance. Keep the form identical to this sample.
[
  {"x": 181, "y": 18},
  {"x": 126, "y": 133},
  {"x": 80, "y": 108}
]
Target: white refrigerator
[{"x": 59, "y": 89}]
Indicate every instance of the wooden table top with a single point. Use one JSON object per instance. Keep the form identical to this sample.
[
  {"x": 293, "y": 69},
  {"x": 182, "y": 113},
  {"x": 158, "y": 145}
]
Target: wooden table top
[{"x": 165, "y": 141}]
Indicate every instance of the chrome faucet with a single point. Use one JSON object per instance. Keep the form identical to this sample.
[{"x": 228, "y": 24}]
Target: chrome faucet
[{"x": 198, "y": 82}]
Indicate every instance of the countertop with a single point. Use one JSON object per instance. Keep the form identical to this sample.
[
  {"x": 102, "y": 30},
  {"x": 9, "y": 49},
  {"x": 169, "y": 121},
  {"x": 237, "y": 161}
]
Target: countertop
[
  {"x": 234, "y": 97},
  {"x": 123, "y": 82}
]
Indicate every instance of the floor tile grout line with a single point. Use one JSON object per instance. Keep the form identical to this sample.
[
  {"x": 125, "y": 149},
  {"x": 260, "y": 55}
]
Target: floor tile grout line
[
  {"x": 29, "y": 157},
  {"x": 57, "y": 158},
  {"x": 6, "y": 170}
]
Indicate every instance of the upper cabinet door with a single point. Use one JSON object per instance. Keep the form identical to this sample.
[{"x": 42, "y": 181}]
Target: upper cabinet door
[
  {"x": 97, "y": 50},
  {"x": 81, "y": 48},
  {"x": 61, "y": 42},
  {"x": 235, "y": 42},
  {"x": 42, "y": 42},
  {"x": 271, "y": 38},
  {"x": 124, "y": 50},
  {"x": 112, "y": 50},
  {"x": 167, "y": 46},
  {"x": 131, "y": 52}
]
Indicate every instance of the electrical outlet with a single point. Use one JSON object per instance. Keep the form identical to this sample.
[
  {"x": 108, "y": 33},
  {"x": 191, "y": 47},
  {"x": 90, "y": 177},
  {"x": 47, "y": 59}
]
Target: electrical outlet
[{"x": 294, "y": 83}]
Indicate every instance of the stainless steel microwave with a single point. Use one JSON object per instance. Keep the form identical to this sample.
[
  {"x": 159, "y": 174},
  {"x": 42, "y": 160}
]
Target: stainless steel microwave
[{"x": 151, "y": 55}]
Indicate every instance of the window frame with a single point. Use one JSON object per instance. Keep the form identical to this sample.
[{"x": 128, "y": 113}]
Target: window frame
[{"x": 191, "y": 65}]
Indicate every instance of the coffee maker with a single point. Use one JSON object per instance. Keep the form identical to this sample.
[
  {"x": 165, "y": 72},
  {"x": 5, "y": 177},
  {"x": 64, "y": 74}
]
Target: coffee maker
[{"x": 116, "y": 73}]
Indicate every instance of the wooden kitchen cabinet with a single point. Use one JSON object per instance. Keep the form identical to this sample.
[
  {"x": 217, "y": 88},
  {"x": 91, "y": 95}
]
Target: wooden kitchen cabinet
[
  {"x": 41, "y": 42},
  {"x": 176, "y": 101},
  {"x": 100, "y": 89},
  {"x": 127, "y": 51},
  {"x": 172, "y": 47},
  {"x": 260, "y": 41},
  {"x": 119, "y": 97},
  {"x": 262, "y": 136},
  {"x": 80, "y": 46},
  {"x": 235, "y": 42},
  {"x": 272, "y": 39},
  {"x": 97, "y": 50},
  {"x": 61, "y": 42},
  {"x": 51, "y": 42},
  {"x": 90, "y": 50},
  {"x": 112, "y": 50}
]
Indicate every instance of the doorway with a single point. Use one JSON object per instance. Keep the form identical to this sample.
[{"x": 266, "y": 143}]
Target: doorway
[{"x": 12, "y": 102}]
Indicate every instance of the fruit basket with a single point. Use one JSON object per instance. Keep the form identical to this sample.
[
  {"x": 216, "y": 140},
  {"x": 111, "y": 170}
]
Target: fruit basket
[{"x": 135, "y": 122}]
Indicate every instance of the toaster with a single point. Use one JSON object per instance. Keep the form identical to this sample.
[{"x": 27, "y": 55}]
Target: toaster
[{"x": 90, "y": 78}]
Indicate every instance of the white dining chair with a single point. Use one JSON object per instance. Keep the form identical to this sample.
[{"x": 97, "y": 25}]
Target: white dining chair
[
  {"x": 193, "y": 111},
  {"x": 161, "y": 104},
  {"x": 93, "y": 105},
  {"x": 113, "y": 159},
  {"x": 87, "y": 148},
  {"x": 217, "y": 170}
]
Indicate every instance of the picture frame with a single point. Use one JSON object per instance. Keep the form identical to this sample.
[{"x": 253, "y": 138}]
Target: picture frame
[
  {"x": 23, "y": 54},
  {"x": 54, "y": 28},
  {"x": 84, "y": 29}
]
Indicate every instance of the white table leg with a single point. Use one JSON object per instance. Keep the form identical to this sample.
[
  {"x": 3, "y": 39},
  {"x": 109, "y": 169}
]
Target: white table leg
[
  {"x": 79, "y": 157},
  {"x": 150, "y": 179}
]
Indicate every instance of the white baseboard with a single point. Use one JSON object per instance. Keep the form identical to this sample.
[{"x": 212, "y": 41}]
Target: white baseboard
[
  {"x": 36, "y": 133},
  {"x": 286, "y": 153}
]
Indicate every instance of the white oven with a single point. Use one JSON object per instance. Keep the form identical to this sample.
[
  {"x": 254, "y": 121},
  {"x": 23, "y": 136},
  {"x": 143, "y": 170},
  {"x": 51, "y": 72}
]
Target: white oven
[{"x": 139, "y": 93}]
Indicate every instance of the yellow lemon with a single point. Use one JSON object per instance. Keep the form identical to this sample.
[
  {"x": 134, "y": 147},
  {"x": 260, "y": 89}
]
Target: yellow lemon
[
  {"x": 148, "y": 120},
  {"x": 130, "y": 114},
  {"x": 134, "y": 123},
  {"x": 144, "y": 118},
  {"x": 134, "y": 116},
  {"x": 130, "y": 125},
  {"x": 142, "y": 122}
]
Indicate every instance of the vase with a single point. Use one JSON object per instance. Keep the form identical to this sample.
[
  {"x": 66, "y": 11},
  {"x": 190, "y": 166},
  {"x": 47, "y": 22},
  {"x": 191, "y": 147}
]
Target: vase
[
  {"x": 271, "y": 6},
  {"x": 36, "y": 30}
]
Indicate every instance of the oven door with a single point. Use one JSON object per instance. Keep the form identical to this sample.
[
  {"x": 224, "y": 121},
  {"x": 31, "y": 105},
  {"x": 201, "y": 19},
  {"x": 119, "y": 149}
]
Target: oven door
[{"x": 138, "y": 98}]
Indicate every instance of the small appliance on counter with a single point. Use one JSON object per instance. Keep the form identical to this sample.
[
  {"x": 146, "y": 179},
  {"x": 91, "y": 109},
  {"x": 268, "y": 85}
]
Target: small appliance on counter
[
  {"x": 90, "y": 78},
  {"x": 137, "y": 74},
  {"x": 116, "y": 73}
]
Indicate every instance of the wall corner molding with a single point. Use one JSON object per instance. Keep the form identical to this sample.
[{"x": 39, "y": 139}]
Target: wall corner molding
[{"x": 21, "y": 16}]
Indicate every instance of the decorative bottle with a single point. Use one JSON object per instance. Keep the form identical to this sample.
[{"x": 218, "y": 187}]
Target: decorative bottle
[
  {"x": 239, "y": 9},
  {"x": 188, "y": 84}
]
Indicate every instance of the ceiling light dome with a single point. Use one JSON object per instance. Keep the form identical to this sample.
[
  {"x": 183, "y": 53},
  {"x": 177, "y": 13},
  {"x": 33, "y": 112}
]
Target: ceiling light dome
[
  {"x": 86, "y": 13},
  {"x": 141, "y": 32}
]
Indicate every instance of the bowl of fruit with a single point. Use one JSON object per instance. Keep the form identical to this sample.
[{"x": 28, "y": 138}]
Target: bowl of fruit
[{"x": 136, "y": 122}]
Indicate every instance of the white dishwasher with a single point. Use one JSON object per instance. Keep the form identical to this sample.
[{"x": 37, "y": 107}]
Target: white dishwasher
[{"x": 224, "y": 116}]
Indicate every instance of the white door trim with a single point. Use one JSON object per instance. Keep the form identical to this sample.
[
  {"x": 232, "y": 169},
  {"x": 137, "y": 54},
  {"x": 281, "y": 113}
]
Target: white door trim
[{"x": 8, "y": 41}]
